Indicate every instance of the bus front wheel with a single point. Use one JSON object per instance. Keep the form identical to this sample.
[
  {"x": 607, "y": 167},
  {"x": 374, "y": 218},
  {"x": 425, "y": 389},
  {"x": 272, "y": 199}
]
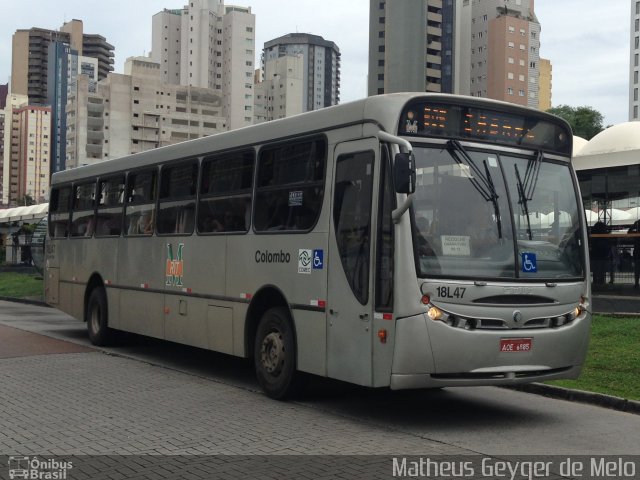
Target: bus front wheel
[
  {"x": 98, "y": 318},
  {"x": 275, "y": 354}
]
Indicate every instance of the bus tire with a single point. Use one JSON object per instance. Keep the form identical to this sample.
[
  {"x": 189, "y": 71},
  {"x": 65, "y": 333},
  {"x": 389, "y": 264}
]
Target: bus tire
[
  {"x": 275, "y": 354},
  {"x": 98, "y": 318}
]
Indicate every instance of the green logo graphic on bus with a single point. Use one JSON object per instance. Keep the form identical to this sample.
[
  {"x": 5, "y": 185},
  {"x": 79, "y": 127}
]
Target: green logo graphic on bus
[{"x": 175, "y": 266}]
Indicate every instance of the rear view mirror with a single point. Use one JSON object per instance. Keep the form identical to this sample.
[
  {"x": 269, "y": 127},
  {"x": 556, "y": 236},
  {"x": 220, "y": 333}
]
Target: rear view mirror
[{"x": 404, "y": 173}]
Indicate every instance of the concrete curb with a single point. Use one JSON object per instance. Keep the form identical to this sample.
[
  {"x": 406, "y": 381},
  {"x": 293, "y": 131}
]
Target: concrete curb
[
  {"x": 591, "y": 398},
  {"x": 27, "y": 301}
]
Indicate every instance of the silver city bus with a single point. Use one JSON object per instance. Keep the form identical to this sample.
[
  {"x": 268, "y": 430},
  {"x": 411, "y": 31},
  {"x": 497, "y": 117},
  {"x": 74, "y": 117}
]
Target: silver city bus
[{"x": 402, "y": 241}]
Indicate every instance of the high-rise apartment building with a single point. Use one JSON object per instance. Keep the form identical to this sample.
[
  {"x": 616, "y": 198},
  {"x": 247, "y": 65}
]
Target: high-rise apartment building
[
  {"x": 634, "y": 82},
  {"x": 26, "y": 144},
  {"x": 4, "y": 91},
  {"x": 30, "y": 57},
  {"x": 320, "y": 67},
  {"x": 500, "y": 52},
  {"x": 280, "y": 92},
  {"x": 135, "y": 112},
  {"x": 411, "y": 46},
  {"x": 64, "y": 66},
  {"x": 209, "y": 44}
]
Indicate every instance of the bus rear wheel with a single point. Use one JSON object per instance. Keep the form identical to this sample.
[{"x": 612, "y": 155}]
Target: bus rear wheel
[
  {"x": 275, "y": 354},
  {"x": 98, "y": 318}
]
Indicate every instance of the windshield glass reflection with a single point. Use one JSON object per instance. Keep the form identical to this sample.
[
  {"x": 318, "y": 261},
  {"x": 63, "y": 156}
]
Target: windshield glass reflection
[{"x": 466, "y": 227}]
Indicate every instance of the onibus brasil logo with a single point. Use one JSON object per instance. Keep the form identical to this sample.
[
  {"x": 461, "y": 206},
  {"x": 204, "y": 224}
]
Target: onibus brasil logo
[
  {"x": 175, "y": 266},
  {"x": 38, "y": 468}
]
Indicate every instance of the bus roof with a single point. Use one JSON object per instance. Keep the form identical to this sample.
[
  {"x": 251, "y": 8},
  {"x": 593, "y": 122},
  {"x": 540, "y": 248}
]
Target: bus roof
[{"x": 374, "y": 109}]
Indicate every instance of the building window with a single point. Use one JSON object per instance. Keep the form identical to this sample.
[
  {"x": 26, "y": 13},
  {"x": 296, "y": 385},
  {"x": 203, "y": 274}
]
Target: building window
[
  {"x": 510, "y": 76},
  {"x": 512, "y": 45},
  {"x": 510, "y": 91}
]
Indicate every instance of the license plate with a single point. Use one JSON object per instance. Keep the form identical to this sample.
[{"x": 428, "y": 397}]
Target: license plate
[{"x": 516, "y": 344}]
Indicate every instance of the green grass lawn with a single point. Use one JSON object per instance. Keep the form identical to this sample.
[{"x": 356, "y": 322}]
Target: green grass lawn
[
  {"x": 613, "y": 361},
  {"x": 20, "y": 285}
]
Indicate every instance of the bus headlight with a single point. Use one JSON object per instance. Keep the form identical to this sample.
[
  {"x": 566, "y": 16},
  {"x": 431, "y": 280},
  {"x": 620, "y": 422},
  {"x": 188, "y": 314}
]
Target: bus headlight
[{"x": 435, "y": 313}]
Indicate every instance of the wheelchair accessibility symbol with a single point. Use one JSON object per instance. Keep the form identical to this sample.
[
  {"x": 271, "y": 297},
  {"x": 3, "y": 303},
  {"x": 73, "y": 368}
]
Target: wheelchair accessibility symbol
[
  {"x": 318, "y": 259},
  {"x": 529, "y": 263}
]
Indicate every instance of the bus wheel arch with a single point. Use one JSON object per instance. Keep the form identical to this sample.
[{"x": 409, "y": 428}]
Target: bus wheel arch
[
  {"x": 96, "y": 311},
  {"x": 270, "y": 341}
]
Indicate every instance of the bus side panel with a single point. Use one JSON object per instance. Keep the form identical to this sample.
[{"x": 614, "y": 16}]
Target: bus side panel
[
  {"x": 106, "y": 265},
  {"x": 75, "y": 262},
  {"x": 311, "y": 328},
  {"x": 199, "y": 268},
  {"x": 141, "y": 279},
  {"x": 255, "y": 261},
  {"x": 220, "y": 329},
  {"x": 186, "y": 320},
  {"x": 52, "y": 286}
]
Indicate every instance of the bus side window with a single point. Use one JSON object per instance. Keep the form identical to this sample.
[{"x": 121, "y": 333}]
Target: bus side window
[
  {"x": 140, "y": 209},
  {"x": 225, "y": 192},
  {"x": 59, "y": 212},
  {"x": 290, "y": 185},
  {"x": 178, "y": 185},
  {"x": 111, "y": 197},
  {"x": 82, "y": 217},
  {"x": 385, "y": 242},
  {"x": 352, "y": 218}
]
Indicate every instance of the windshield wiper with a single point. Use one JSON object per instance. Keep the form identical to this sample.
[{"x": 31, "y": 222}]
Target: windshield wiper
[
  {"x": 531, "y": 175},
  {"x": 482, "y": 182},
  {"x": 524, "y": 202},
  {"x": 528, "y": 186}
]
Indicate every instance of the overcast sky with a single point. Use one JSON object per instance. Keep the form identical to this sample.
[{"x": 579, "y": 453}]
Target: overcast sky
[{"x": 587, "y": 41}]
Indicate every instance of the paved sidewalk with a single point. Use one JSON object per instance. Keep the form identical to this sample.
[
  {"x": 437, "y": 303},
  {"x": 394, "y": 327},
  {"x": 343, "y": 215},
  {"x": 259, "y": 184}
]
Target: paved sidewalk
[{"x": 107, "y": 416}]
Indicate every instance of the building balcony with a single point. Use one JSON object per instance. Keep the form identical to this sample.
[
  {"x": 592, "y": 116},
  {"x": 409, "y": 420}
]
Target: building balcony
[
  {"x": 95, "y": 108},
  {"x": 95, "y": 136},
  {"x": 93, "y": 149}
]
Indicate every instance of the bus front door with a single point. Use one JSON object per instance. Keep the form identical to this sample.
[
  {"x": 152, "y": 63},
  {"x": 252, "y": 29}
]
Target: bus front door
[{"x": 349, "y": 305}]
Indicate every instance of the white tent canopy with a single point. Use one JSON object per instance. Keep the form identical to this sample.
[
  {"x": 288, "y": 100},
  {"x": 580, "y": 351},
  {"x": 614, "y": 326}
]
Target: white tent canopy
[{"x": 17, "y": 214}]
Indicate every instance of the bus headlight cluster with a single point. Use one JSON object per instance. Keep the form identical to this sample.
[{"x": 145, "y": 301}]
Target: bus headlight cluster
[
  {"x": 568, "y": 317},
  {"x": 436, "y": 314}
]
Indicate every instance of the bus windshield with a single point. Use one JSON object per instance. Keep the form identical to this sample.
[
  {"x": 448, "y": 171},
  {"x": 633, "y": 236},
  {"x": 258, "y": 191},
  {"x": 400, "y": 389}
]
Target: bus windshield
[{"x": 485, "y": 214}]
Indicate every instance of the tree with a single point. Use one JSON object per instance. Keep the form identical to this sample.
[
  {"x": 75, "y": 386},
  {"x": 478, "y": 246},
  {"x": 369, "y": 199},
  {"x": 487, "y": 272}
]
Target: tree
[{"x": 585, "y": 122}]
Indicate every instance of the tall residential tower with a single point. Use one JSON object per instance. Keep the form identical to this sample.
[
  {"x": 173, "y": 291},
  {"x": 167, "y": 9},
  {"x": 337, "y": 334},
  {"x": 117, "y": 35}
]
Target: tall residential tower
[
  {"x": 30, "y": 55},
  {"x": 403, "y": 32},
  {"x": 500, "y": 52},
  {"x": 209, "y": 44},
  {"x": 300, "y": 72}
]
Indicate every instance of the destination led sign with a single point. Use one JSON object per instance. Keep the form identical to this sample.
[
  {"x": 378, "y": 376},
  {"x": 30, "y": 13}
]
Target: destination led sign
[{"x": 474, "y": 123}]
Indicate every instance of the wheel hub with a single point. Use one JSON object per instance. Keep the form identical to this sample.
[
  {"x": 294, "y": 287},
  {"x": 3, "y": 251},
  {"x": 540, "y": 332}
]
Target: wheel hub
[{"x": 273, "y": 353}]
